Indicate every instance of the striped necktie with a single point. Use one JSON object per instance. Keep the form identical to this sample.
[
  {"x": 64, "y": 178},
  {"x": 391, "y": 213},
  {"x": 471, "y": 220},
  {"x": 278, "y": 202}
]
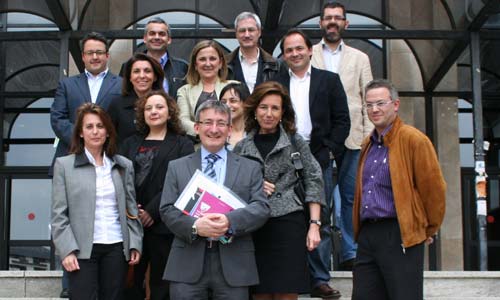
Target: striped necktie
[{"x": 210, "y": 170}]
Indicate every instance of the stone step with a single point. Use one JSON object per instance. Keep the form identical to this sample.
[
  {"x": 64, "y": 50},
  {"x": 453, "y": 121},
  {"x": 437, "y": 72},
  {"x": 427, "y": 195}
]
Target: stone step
[{"x": 441, "y": 285}]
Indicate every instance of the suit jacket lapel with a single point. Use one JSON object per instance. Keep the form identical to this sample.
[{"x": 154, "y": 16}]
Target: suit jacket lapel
[
  {"x": 84, "y": 87},
  {"x": 313, "y": 86},
  {"x": 345, "y": 58},
  {"x": 166, "y": 147},
  {"x": 107, "y": 84},
  {"x": 195, "y": 162},
  {"x": 232, "y": 169}
]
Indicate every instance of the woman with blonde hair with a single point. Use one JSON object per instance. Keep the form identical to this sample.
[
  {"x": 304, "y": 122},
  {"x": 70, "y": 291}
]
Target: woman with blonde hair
[{"x": 206, "y": 77}]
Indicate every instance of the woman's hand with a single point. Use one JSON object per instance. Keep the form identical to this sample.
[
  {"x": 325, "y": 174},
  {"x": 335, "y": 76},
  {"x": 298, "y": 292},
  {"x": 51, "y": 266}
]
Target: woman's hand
[
  {"x": 269, "y": 188},
  {"x": 135, "y": 256},
  {"x": 145, "y": 217},
  {"x": 313, "y": 237},
  {"x": 70, "y": 263}
]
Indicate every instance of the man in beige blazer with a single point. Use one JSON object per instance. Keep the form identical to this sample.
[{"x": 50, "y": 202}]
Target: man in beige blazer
[{"x": 353, "y": 66}]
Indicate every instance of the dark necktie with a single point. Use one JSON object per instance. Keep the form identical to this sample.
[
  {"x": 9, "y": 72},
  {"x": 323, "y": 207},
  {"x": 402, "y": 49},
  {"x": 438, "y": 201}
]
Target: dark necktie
[{"x": 210, "y": 170}]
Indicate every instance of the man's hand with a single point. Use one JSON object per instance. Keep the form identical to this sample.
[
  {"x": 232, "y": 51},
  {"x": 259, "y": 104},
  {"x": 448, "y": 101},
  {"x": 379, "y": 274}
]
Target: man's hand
[
  {"x": 135, "y": 256},
  {"x": 212, "y": 225},
  {"x": 145, "y": 217},
  {"x": 70, "y": 263}
]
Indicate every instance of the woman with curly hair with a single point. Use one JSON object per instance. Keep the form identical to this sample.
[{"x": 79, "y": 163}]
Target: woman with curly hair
[
  {"x": 160, "y": 140},
  {"x": 281, "y": 244}
]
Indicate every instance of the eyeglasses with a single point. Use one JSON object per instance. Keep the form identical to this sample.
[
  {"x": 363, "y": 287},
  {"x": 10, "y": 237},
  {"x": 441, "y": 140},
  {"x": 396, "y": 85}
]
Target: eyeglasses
[
  {"x": 249, "y": 29},
  {"x": 97, "y": 52},
  {"x": 210, "y": 123},
  {"x": 378, "y": 104},
  {"x": 334, "y": 17}
]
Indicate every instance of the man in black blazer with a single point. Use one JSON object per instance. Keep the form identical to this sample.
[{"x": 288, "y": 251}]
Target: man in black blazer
[
  {"x": 157, "y": 37},
  {"x": 96, "y": 84},
  {"x": 320, "y": 105}
]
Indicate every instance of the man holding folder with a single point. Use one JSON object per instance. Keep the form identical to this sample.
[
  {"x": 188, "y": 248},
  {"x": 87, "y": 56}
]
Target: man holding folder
[{"x": 198, "y": 262}]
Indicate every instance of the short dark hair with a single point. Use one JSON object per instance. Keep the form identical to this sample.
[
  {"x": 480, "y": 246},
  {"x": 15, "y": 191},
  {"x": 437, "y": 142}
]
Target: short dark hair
[
  {"x": 239, "y": 88},
  {"x": 158, "y": 20},
  {"x": 173, "y": 122},
  {"x": 127, "y": 87},
  {"x": 295, "y": 31},
  {"x": 332, "y": 5},
  {"x": 77, "y": 143},
  {"x": 94, "y": 36},
  {"x": 383, "y": 83},
  {"x": 263, "y": 90}
]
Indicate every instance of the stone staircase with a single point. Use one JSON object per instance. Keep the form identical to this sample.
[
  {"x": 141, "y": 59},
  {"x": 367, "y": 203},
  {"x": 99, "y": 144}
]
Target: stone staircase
[{"x": 443, "y": 285}]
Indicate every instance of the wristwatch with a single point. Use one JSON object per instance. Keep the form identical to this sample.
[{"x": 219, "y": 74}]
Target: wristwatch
[
  {"x": 194, "y": 232},
  {"x": 317, "y": 222}
]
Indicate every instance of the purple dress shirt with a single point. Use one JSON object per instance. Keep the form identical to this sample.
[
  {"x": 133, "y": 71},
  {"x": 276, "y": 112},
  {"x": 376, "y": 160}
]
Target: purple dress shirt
[{"x": 377, "y": 199}]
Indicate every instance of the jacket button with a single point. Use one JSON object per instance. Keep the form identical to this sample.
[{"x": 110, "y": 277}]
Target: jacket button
[{"x": 278, "y": 195}]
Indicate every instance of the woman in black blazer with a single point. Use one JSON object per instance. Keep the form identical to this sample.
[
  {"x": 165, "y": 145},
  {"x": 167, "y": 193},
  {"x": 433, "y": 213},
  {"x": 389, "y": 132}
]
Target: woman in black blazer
[{"x": 160, "y": 140}]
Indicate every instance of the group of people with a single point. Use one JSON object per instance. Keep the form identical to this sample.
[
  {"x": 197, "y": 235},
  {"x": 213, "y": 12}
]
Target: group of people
[{"x": 128, "y": 146}]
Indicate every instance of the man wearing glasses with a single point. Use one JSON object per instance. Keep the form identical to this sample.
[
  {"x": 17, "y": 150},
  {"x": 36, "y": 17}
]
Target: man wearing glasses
[
  {"x": 96, "y": 84},
  {"x": 399, "y": 202},
  {"x": 249, "y": 63},
  {"x": 198, "y": 262},
  {"x": 353, "y": 67}
]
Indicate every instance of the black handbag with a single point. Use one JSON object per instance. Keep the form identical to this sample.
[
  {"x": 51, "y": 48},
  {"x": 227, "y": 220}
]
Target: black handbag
[{"x": 299, "y": 187}]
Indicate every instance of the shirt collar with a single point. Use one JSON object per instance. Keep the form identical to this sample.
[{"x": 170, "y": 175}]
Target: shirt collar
[
  {"x": 105, "y": 159},
  {"x": 336, "y": 51},
  {"x": 164, "y": 59},
  {"x": 222, "y": 153},
  {"x": 242, "y": 57},
  {"x": 100, "y": 75},
  {"x": 308, "y": 73},
  {"x": 380, "y": 139}
]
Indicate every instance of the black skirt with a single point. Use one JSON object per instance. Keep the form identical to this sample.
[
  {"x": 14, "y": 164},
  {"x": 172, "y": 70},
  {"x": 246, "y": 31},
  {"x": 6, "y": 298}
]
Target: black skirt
[{"x": 280, "y": 250}]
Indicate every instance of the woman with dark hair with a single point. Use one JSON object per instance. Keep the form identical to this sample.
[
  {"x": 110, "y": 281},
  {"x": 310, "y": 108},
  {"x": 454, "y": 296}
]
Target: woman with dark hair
[
  {"x": 94, "y": 222},
  {"x": 234, "y": 95},
  {"x": 142, "y": 74},
  {"x": 206, "y": 76},
  {"x": 281, "y": 244},
  {"x": 160, "y": 140}
]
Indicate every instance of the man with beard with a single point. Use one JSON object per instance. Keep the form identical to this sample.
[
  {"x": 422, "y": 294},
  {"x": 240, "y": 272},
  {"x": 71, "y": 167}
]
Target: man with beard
[
  {"x": 157, "y": 37},
  {"x": 249, "y": 63},
  {"x": 353, "y": 67}
]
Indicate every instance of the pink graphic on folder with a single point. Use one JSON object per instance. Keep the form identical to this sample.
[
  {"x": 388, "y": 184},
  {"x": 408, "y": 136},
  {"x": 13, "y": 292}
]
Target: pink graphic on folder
[{"x": 208, "y": 203}]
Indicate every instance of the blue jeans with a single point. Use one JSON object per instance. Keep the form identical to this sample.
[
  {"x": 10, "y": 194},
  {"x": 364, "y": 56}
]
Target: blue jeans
[
  {"x": 319, "y": 258},
  {"x": 347, "y": 181}
]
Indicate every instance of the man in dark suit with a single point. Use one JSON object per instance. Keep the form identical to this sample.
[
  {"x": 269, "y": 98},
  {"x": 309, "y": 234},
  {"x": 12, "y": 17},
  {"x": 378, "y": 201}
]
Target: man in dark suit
[
  {"x": 198, "y": 262},
  {"x": 249, "y": 63},
  {"x": 320, "y": 104},
  {"x": 96, "y": 84},
  {"x": 157, "y": 37}
]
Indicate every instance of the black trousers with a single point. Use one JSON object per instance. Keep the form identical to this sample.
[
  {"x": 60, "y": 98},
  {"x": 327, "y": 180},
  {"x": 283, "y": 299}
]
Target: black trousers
[
  {"x": 383, "y": 269},
  {"x": 156, "y": 248},
  {"x": 100, "y": 277}
]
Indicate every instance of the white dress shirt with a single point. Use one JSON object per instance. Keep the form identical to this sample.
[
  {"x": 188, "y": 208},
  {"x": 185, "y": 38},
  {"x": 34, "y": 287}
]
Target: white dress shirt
[
  {"x": 95, "y": 83},
  {"x": 250, "y": 68},
  {"x": 107, "y": 228},
  {"x": 299, "y": 93},
  {"x": 332, "y": 57}
]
